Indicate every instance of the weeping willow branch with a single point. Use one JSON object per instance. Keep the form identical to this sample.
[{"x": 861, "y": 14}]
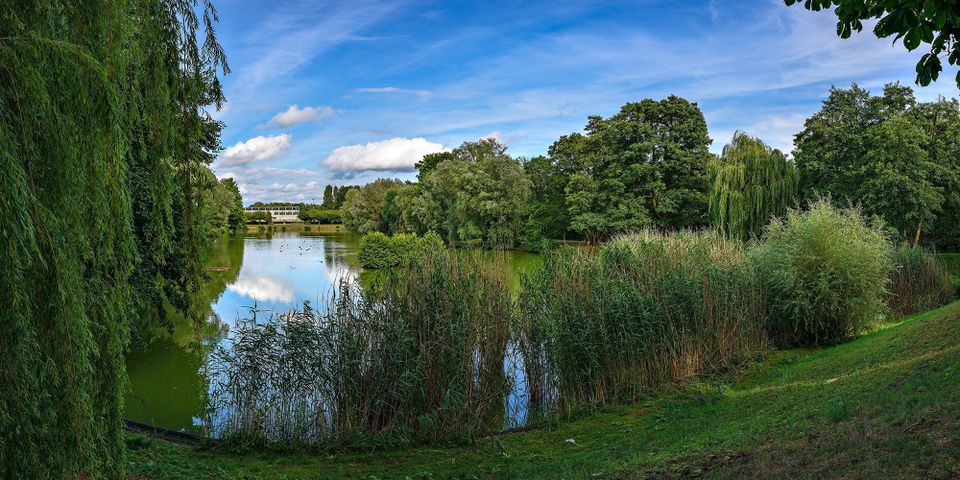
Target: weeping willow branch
[{"x": 750, "y": 184}]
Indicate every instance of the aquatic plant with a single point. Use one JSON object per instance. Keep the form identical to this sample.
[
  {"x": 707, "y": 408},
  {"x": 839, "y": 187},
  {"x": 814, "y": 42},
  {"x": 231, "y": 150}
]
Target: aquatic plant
[
  {"x": 647, "y": 309},
  {"x": 417, "y": 356},
  {"x": 918, "y": 281}
]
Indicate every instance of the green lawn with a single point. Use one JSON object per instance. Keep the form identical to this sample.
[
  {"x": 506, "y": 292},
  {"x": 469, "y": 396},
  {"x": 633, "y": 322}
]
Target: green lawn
[{"x": 884, "y": 406}]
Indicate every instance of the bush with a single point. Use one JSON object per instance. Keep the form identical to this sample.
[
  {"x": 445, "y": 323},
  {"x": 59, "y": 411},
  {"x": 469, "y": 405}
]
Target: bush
[
  {"x": 599, "y": 328},
  {"x": 377, "y": 251},
  {"x": 825, "y": 273},
  {"x": 919, "y": 281},
  {"x": 313, "y": 214}
]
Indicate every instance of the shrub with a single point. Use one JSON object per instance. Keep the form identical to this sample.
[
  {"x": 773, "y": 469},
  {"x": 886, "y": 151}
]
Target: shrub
[
  {"x": 596, "y": 328},
  {"x": 377, "y": 251},
  {"x": 431, "y": 242},
  {"x": 416, "y": 358},
  {"x": 406, "y": 246},
  {"x": 825, "y": 273},
  {"x": 919, "y": 281}
]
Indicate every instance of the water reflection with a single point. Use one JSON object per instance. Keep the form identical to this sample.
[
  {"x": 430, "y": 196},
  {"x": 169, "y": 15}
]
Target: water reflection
[{"x": 271, "y": 274}]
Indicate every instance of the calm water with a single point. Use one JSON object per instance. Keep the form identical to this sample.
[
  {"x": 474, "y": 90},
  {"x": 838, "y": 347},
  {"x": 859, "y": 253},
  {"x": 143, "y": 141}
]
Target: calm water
[{"x": 271, "y": 274}]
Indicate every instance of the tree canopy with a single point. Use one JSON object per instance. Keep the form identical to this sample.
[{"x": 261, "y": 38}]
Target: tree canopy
[
  {"x": 929, "y": 22},
  {"x": 646, "y": 165},
  {"x": 895, "y": 156},
  {"x": 750, "y": 184},
  {"x": 104, "y": 147}
]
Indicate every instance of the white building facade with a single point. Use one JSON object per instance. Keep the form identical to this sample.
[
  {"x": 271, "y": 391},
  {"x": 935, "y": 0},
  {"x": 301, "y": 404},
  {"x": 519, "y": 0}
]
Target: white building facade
[{"x": 279, "y": 213}]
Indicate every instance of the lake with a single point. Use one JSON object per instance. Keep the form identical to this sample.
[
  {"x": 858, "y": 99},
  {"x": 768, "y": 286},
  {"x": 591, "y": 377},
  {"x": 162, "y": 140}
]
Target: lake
[{"x": 269, "y": 273}]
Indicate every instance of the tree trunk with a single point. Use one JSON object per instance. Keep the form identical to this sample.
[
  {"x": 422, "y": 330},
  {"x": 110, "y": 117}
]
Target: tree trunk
[{"x": 916, "y": 237}]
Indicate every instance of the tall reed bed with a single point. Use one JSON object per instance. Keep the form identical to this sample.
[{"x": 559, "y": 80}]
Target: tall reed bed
[
  {"x": 649, "y": 308},
  {"x": 919, "y": 281},
  {"x": 416, "y": 357}
]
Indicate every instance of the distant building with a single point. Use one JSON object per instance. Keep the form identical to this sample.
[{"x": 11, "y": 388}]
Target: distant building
[{"x": 279, "y": 213}]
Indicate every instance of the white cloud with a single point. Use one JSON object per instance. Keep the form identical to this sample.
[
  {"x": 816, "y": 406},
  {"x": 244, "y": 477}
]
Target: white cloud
[
  {"x": 419, "y": 93},
  {"x": 397, "y": 154},
  {"x": 295, "y": 115},
  {"x": 263, "y": 289},
  {"x": 256, "y": 149}
]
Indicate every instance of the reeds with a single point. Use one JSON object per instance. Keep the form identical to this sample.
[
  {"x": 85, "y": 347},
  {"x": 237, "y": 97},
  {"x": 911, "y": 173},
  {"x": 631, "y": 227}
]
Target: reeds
[
  {"x": 416, "y": 357},
  {"x": 649, "y": 308},
  {"x": 439, "y": 351},
  {"x": 919, "y": 281}
]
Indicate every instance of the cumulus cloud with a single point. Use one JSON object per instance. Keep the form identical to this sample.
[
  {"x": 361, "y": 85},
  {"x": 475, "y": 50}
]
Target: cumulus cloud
[
  {"x": 396, "y": 154},
  {"x": 263, "y": 289},
  {"x": 256, "y": 149},
  {"x": 295, "y": 115},
  {"x": 419, "y": 93}
]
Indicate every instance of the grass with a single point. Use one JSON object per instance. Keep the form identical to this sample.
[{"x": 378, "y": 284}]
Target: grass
[{"x": 886, "y": 405}]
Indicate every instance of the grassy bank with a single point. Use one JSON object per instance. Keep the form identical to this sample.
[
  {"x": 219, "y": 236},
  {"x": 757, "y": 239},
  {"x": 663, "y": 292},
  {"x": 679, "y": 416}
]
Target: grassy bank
[{"x": 884, "y": 406}]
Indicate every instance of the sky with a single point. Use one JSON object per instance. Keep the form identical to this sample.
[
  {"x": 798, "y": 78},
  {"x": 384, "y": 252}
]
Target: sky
[{"x": 346, "y": 92}]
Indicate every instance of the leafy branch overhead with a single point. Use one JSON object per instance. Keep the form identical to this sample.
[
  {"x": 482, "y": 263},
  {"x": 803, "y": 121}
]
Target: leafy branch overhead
[{"x": 932, "y": 22}]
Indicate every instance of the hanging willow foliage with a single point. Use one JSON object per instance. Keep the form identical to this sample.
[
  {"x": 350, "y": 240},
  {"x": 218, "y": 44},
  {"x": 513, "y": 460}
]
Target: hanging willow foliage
[
  {"x": 89, "y": 92},
  {"x": 750, "y": 183}
]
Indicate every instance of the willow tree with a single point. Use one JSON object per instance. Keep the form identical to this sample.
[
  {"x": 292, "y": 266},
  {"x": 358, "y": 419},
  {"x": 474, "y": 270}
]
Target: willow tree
[
  {"x": 88, "y": 94},
  {"x": 750, "y": 183}
]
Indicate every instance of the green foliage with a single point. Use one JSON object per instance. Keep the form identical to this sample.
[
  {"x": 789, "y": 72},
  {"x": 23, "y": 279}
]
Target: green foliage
[
  {"x": 599, "y": 329},
  {"x": 418, "y": 357},
  {"x": 328, "y": 199},
  {"x": 750, "y": 184},
  {"x": 378, "y": 250},
  {"x": 919, "y": 281},
  {"x": 644, "y": 166},
  {"x": 477, "y": 193},
  {"x": 757, "y": 426},
  {"x": 319, "y": 214},
  {"x": 430, "y": 162},
  {"x": 931, "y": 22},
  {"x": 363, "y": 207},
  {"x": 898, "y": 158},
  {"x": 826, "y": 274},
  {"x": 549, "y": 217},
  {"x": 900, "y": 182},
  {"x": 221, "y": 207},
  {"x": 95, "y": 101},
  {"x": 259, "y": 217}
]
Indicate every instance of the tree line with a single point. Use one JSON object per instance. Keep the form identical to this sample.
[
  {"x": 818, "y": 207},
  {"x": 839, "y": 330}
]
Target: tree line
[
  {"x": 108, "y": 206},
  {"x": 649, "y": 166}
]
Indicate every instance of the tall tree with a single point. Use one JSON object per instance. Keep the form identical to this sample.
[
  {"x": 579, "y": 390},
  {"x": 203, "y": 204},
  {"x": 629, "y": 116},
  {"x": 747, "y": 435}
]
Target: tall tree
[
  {"x": 751, "y": 183},
  {"x": 646, "y": 165},
  {"x": 548, "y": 211},
  {"x": 940, "y": 120},
  {"x": 328, "y": 200},
  {"x": 478, "y": 192},
  {"x": 932, "y": 22},
  {"x": 363, "y": 207},
  {"x": 893, "y": 155},
  {"x": 898, "y": 178},
  {"x": 91, "y": 135}
]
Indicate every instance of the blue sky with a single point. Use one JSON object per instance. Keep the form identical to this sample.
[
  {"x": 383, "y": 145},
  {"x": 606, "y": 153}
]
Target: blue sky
[{"x": 346, "y": 92}]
